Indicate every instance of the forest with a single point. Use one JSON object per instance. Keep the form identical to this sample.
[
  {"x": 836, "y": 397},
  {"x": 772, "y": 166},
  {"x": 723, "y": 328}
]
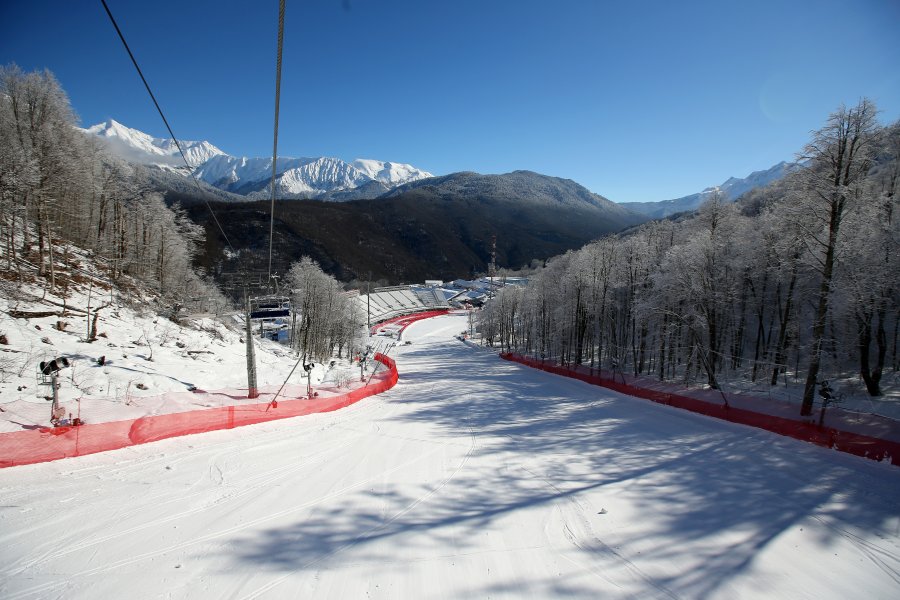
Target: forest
[
  {"x": 796, "y": 279},
  {"x": 58, "y": 187},
  {"x": 60, "y": 190}
]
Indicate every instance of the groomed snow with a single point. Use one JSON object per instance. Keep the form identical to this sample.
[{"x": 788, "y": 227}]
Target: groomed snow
[{"x": 472, "y": 478}]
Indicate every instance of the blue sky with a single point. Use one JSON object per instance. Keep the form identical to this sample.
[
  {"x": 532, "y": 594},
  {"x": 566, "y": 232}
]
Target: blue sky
[{"x": 643, "y": 100}]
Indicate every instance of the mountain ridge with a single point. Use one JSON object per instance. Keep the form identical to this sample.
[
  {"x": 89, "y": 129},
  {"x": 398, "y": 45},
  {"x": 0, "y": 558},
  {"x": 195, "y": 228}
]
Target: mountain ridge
[
  {"x": 305, "y": 177},
  {"x": 732, "y": 188},
  {"x": 440, "y": 227},
  {"x": 137, "y": 146},
  {"x": 520, "y": 186}
]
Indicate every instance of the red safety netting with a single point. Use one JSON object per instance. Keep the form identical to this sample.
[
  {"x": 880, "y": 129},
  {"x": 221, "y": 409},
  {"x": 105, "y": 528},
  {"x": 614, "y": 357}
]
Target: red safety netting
[
  {"x": 829, "y": 437},
  {"x": 402, "y": 322},
  {"x": 46, "y": 444}
]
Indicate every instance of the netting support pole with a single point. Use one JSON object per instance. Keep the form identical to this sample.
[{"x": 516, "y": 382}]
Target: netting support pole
[
  {"x": 54, "y": 408},
  {"x": 252, "y": 390}
]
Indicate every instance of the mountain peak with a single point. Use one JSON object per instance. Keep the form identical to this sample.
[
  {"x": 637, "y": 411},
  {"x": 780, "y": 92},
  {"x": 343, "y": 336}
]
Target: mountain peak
[
  {"x": 523, "y": 188},
  {"x": 137, "y": 146},
  {"x": 389, "y": 173},
  {"x": 732, "y": 189},
  {"x": 296, "y": 177},
  {"x": 113, "y": 129},
  {"x": 109, "y": 124}
]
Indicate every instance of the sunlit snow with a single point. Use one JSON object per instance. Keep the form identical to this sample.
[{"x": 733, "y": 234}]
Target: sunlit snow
[{"x": 472, "y": 478}]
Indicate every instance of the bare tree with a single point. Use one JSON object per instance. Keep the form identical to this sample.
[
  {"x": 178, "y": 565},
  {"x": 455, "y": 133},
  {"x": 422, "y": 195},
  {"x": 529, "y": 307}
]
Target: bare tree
[
  {"x": 840, "y": 156},
  {"x": 326, "y": 318},
  {"x": 870, "y": 264},
  {"x": 701, "y": 295},
  {"x": 57, "y": 185}
]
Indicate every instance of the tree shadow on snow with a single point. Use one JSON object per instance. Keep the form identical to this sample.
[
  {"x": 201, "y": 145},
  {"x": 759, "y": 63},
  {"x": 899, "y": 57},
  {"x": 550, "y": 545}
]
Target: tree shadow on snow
[{"x": 561, "y": 443}]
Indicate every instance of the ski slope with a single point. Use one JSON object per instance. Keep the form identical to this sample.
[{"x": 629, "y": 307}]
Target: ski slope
[{"x": 473, "y": 478}]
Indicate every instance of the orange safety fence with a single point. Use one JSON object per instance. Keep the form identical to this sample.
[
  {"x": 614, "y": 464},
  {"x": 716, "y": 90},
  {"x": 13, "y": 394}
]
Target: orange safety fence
[
  {"x": 404, "y": 321},
  {"x": 53, "y": 443},
  {"x": 845, "y": 441}
]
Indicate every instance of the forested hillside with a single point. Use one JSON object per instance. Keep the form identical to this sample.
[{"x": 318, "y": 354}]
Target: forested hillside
[
  {"x": 57, "y": 185},
  {"x": 799, "y": 279},
  {"x": 441, "y": 227}
]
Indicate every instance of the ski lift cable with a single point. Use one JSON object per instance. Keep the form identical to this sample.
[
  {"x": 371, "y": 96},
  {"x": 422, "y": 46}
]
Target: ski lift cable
[
  {"x": 275, "y": 135},
  {"x": 168, "y": 127}
]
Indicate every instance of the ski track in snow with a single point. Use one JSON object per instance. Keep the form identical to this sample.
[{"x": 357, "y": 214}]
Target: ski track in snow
[
  {"x": 423, "y": 498},
  {"x": 573, "y": 515},
  {"x": 473, "y": 477},
  {"x": 212, "y": 536}
]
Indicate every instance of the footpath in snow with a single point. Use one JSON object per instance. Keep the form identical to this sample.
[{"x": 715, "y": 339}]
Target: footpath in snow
[{"x": 472, "y": 477}]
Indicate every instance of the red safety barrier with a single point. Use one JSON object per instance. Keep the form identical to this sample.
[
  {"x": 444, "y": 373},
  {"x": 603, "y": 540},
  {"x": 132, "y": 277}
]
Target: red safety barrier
[
  {"x": 46, "y": 444},
  {"x": 405, "y": 321},
  {"x": 829, "y": 437}
]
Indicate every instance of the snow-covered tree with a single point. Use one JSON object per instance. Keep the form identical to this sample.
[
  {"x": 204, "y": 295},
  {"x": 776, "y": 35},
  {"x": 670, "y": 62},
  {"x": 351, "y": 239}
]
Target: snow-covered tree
[
  {"x": 57, "y": 185},
  {"x": 840, "y": 155},
  {"x": 723, "y": 293},
  {"x": 326, "y": 319}
]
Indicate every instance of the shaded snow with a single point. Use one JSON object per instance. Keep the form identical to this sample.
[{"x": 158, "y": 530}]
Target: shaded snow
[{"x": 472, "y": 478}]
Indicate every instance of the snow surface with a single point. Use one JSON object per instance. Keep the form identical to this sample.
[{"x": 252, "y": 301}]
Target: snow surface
[
  {"x": 388, "y": 173},
  {"x": 150, "y": 363},
  {"x": 294, "y": 175},
  {"x": 473, "y": 477},
  {"x": 139, "y": 147},
  {"x": 309, "y": 176}
]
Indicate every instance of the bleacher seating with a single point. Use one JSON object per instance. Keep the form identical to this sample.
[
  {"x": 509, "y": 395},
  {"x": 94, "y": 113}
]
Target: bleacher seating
[
  {"x": 387, "y": 303},
  {"x": 429, "y": 297}
]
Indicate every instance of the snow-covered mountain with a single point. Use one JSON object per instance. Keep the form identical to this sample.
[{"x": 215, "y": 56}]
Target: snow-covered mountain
[
  {"x": 733, "y": 188},
  {"x": 319, "y": 177},
  {"x": 137, "y": 146},
  {"x": 388, "y": 173},
  {"x": 303, "y": 177}
]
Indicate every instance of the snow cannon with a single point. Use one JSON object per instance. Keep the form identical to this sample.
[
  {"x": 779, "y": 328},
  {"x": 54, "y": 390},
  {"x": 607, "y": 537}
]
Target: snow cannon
[{"x": 48, "y": 374}]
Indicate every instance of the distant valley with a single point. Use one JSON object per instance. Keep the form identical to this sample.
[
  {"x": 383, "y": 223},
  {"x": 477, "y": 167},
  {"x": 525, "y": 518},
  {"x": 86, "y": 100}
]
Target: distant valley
[
  {"x": 392, "y": 220},
  {"x": 441, "y": 227}
]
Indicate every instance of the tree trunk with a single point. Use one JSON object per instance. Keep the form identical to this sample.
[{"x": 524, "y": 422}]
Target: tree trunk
[
  {"x": 737, "y": 347},
  {"x": 780, "y": 353},
  {"x": 872, "y": 375},
  {"x": 815, "y": 360},
  {"x": 662, "y": 348}
]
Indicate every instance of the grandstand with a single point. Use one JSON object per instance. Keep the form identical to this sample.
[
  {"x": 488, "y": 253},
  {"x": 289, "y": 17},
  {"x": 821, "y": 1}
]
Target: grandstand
[
  {"x": 430, "y": 297},
  {"x": 388, "y": 302}
]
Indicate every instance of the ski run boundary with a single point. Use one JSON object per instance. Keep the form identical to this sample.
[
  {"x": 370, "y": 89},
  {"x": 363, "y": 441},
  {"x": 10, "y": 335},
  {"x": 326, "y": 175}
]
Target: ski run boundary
[
  {"x": 829, "y": 437},
  {"x": 48, "y": 443}
]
